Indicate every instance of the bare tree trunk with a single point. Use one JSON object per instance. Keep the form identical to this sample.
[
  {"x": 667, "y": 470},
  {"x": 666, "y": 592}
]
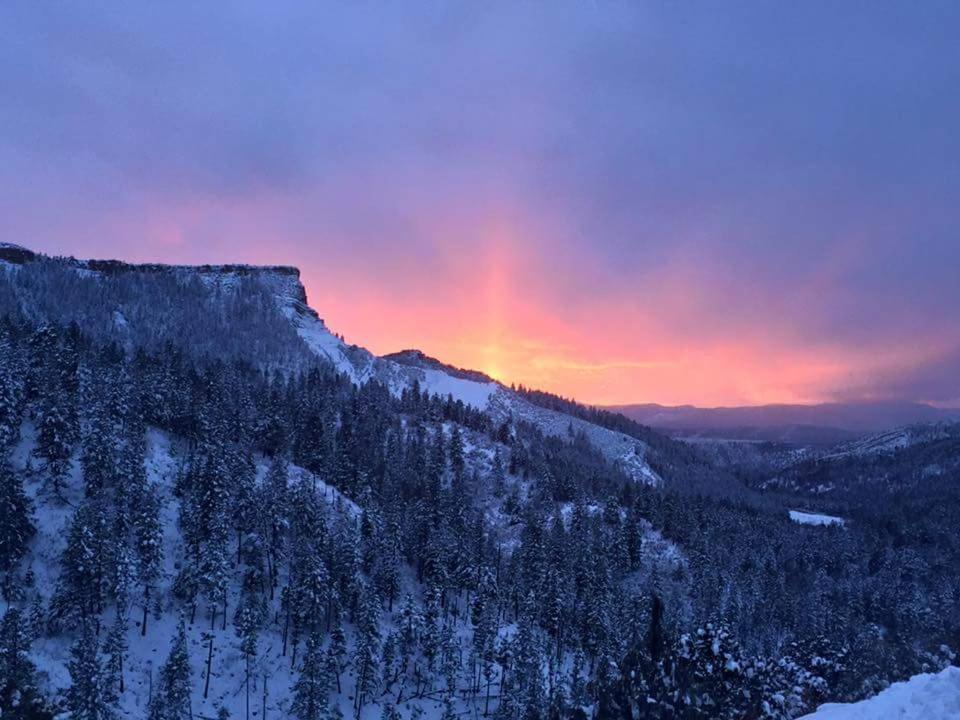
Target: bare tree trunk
[
  {"x": 206, "y": 684},
  {"x": 263, "y": 715},
  {"x": 146, "y": 607},
  {"x": 486, "y": 704},
  {"x": 248, "y": 686}
]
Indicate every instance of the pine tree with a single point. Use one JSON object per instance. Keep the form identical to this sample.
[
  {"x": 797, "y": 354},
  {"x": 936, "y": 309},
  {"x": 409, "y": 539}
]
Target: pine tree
[
  {"x": 12, "y": 392},
  {"x": 115, "y": 647},
  {"x": 313, "y": 685},
  {"x": 16, "y": 524},
  {"x": 97, "y": 458},
  {"x": 457, "y": 463},
  {"x": 274, "y": 505},
  {"x": 498, "y": 475},
  {"x": 171, "y": 699},
  {"x": 711, "y": 674},
  {"x": 336, "y": 653},
  {"x": 81, "y": 586},
  {"x": 19, "y": 697},
  {"x": 148, "y": 534},
  {"x": 366, "y": 653},
  {"x": 89, "y": 696},
  {"x": 531, "y": 696},
  {"x": 250, "y": 615}
]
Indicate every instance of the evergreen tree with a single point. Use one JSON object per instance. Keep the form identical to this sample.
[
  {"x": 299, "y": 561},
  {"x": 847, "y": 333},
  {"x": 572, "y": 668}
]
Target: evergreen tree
[
  {"x": 366, "y": 656},
  {"x": 171, "y": 698},
  {"x": 250, "y": 615},
  {"x": 81, "y": 587},
  {"x": 313, "y": 684},
  {"x": 16, "y": 524},
  {"x": 115, "y": 648},
  {"x": 89, "y": 696},
  {"x": 19, "y": 697},
  {"x": 148, "y": 537},
  {"x": 336, "y": 653}
]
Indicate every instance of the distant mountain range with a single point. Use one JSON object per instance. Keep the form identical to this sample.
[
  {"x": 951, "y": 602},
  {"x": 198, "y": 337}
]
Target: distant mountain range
[{"x": 826, "y": 423}]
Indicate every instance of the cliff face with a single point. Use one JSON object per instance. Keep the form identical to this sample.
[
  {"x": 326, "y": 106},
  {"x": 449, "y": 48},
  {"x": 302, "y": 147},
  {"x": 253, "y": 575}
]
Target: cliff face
[
  {"x": 14, "y": 254},
  {"x": 232, "y": 312},
  {"x": 260, "y": 315}
]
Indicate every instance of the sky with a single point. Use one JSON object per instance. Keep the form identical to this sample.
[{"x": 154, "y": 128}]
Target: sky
[{"x": 707, "y": 203}]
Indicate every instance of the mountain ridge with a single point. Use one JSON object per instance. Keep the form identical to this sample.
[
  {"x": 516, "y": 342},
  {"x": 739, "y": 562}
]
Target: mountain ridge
[
  {"x": 398, "y": 372},
  {"x": 861, "y": 417}
]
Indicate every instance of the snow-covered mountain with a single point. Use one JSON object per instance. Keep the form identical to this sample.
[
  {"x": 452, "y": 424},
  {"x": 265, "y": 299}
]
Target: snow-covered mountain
[
  {"x": 195, "y": 444},
  {"x": 821, "y": 424},
  {"x": 893, "y": 460},
  {"x": 397, "y": 372},
  {"x": 896, "y": 440}
]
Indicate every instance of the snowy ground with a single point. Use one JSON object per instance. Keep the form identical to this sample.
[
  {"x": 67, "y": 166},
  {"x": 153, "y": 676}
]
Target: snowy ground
[
  {"x": 148, "y": 651},
  {"x": 807, "y": 518},
  {"x": 922, "y": 697}
]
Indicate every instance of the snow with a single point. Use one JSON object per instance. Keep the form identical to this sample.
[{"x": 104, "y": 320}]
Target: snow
[
  {"x": 627, "y": 452},
  {"x": 892, "y": 441},
  {"x": 807, "y": 518},
  {"x": 325, "y": 344},
  {"x": 468, "y": 391},
  {"x": 360, "y": 365},
  {"x": 922, "y": 697},
  {"x": 148, "y": 652}
]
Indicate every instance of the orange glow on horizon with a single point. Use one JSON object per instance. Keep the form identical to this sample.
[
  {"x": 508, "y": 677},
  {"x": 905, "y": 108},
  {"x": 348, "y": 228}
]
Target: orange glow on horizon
[
  {"x": 501, "y": 298},
  {"x": 492, "y": 310}
]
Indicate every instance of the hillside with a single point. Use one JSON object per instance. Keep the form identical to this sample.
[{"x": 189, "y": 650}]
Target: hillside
[
  {"x": 818, "y": 424},
  {"x": 340, "y": 533}
]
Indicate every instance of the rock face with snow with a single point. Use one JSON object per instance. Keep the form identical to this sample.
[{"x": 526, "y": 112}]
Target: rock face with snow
[
  {"x": 217, "y": 290},
  {"x": 922, "y": 697},
  {"x": 397, "y": 371}
]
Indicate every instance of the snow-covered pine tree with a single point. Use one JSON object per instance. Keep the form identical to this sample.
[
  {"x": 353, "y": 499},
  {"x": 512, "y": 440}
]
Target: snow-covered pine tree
[
  {"x": 81, "y": 587},
  {"x": 19, "y": 697},
  {"x": 366, "y": 654},
  {"x": 313, "y": 684},
  {"x": 336, "y": 654},
  {"x": 148, "y": 541},
  {"x": 89, "y": 696},
  {"x": 171, "y": 696},
  {"x": 115, "y": 647},
  {"x": 16, "y": 524}
]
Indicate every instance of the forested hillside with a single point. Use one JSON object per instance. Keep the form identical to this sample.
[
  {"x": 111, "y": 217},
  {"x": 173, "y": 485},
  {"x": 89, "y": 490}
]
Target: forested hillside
[{"x": 212, "y": 509}]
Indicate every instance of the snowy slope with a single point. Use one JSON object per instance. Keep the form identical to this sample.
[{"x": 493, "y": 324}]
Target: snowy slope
[
  {"x": 402, "y": 370},
  {"x": 397, "y": 372},
  {"x": 922, "y": 697},
  {"x": 628, "y": 452},
  {"x": 147, "y": 652},
  {"x": 892, "y": 441},
  {"x": 808, "y": 518}
]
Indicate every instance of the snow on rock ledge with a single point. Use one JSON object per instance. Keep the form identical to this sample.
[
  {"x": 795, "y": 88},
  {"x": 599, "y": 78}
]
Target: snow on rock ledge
[
  {"x": 922, "y": 697},
  {"x": 808, "y": 518}
]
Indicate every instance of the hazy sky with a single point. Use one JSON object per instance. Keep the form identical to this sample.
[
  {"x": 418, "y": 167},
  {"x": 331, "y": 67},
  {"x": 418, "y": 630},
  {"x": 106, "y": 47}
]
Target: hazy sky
[{"x": 712, "y": 203}]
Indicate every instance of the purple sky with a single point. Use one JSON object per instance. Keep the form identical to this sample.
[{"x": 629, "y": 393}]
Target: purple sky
[{"x": 716, "y": 203}]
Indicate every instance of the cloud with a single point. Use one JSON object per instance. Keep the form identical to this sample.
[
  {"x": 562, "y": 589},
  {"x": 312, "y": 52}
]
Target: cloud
[{"x": 764, "y": 196}]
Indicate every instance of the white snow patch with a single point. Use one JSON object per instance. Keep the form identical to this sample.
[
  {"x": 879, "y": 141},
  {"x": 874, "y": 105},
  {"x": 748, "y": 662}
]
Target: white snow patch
[
  {"x": 922, "y": 697},
  {"x": 806, "y": 518},
  {"x": 468, "y": 391}
]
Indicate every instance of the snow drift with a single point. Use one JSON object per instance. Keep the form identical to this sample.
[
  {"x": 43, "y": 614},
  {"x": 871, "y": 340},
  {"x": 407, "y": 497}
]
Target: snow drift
[{"x": 922, "y": 697}]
